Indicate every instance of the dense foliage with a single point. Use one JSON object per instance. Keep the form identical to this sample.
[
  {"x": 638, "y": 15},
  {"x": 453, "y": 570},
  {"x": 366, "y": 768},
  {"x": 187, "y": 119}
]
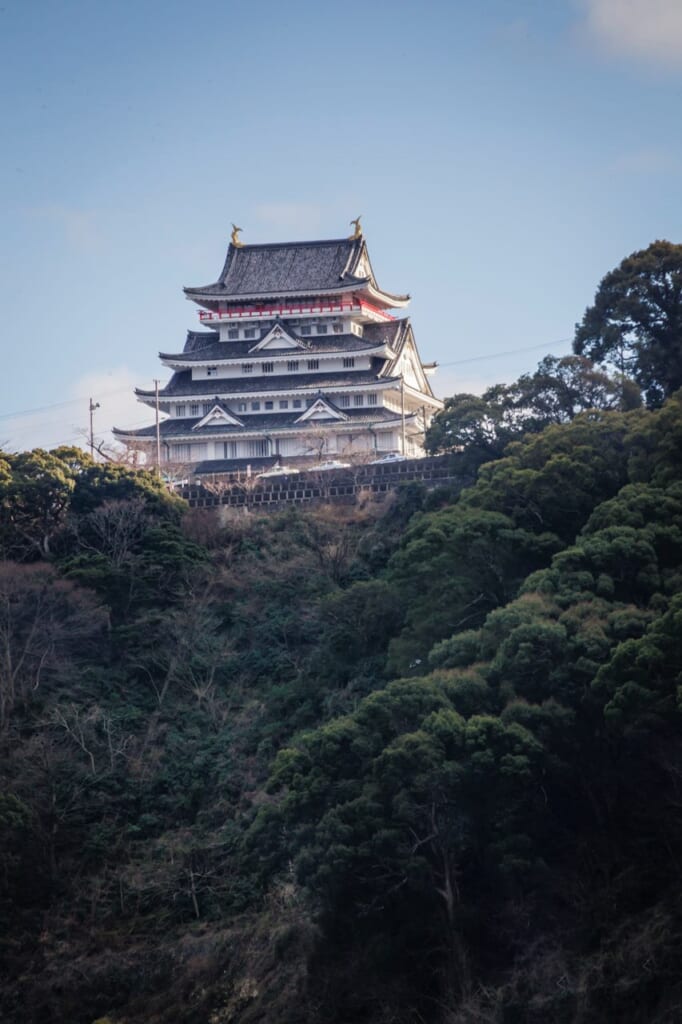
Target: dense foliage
[
  {"x": 635, "y": 322},
  {"x": 418, "y": 762},
  {"x": 482, "y": 426}
]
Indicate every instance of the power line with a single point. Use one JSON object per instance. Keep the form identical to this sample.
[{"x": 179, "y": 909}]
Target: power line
[
  {"x": 119, "y": 391},
  {"x": 60, "y": 405},
  {"x": 510, "y": 352},
  {"x": 100, "y": 435}
]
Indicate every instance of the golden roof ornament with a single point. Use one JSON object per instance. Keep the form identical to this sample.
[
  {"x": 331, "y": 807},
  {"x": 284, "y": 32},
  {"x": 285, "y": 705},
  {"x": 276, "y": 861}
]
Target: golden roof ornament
[
  {"x": 234, "y": 237},
  {"x": 358, "y": 230}
]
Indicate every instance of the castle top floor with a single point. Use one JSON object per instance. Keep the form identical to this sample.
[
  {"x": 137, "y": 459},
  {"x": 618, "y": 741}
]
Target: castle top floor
[{"x": 303, "y": 279}]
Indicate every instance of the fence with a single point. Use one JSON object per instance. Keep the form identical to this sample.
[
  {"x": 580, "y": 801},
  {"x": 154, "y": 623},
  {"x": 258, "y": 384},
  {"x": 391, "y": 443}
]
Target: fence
[{"x": 341, "y": 487}]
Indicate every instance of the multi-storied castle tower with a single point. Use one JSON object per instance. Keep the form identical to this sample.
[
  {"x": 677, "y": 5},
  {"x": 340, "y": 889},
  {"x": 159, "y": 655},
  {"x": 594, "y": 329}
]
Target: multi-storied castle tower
[{"x": 301, "y": 360}]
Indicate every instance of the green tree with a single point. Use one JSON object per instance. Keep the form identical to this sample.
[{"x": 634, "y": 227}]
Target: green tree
[
  {"x": 561, "y": 388},
  {"x": 480, "y": 426},
  {"x": 556, "y": 392},
  {"x": 635, "y": 322},
  {"x": 407, "y": 810},
  {"x": 34, "y": 498}
]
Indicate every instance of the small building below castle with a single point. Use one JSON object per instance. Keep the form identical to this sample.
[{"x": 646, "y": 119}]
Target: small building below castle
[{"x": 300, "y": 358}]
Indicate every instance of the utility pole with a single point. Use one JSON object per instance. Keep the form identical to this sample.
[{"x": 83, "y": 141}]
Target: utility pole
[
  {"x": 158, "y": 430},
  {"x": 93, "y": 406},
  {"x": 402, "y": 410}
]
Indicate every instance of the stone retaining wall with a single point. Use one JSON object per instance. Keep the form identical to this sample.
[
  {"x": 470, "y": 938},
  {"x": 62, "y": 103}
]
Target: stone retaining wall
[{"x": 343, "y": 486}]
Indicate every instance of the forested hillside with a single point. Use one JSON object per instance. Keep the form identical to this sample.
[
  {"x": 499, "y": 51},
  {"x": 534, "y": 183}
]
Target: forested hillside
[{"x": 418, "y": 762}]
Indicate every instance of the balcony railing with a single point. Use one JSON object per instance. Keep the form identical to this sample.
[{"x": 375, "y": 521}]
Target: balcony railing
[{"x": 263, "y": 311}]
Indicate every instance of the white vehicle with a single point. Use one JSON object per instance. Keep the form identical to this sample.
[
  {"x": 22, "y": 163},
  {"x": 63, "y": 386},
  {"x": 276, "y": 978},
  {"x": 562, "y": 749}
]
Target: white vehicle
[
  {"x": 391, "y": 457},
  {"x": 278, "y": 471},
  {"x": 324, "y": 466},
  {"x": 174, "y": 484}
]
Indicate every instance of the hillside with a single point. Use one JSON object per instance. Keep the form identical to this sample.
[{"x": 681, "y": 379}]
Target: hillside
[{"x": 411, "y": 763}]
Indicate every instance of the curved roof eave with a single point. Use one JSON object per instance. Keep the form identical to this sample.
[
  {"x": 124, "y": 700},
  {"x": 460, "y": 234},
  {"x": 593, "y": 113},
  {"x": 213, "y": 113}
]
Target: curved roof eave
[
  {"x": 274, "y": 269},
  {"x": 225, "y": 394},
  {"x": 183, "y": 360},
  {"x": 204, "y": 293}
]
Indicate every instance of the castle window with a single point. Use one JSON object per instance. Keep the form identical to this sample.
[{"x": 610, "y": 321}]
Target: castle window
[
  {"x": 206, "y": 408},
  {"x": 306, "y": 329},
  {"x": 255, "y": 406},
  {"x": 241, "y": 407},
  {"x": 269, "y": 405},
  {"x": 181, "y": 410},
  {"x": 211, "y": 371},
  {"x": 348, "y": 363},
  {"x": 313, "y": 364},
  {"x": 338, "y": 328},
  {"x": 296, "y": 403},
  {"x": 233, "y": 333},
  {"x": 343, "y": 401},
  {"x": 194, "y": 409},
  {"x": 181, "y": 452},
  {"x": 372, "y": 399},
  {"x": 356, "y": 329},
  {"x": 268, "y": 367},
  {"x": 321, "y": 328},
  {"x": 358, "y": 399},
  {"x": 284, "y": 404},
  {"x": 229, "y": 449},
  {"x": 292, "y": 366},
  {"x": 258, "y": 448},
  {"x": 247, "y": 367},
  {"x": 250, "y": 332}
]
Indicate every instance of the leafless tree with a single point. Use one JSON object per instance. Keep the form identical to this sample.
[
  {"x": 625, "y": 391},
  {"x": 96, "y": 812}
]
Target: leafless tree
[
  {"x": 94, "y": 731},
  {"x": 45, "y": 622},
  {"x": 113, "y": 529}
]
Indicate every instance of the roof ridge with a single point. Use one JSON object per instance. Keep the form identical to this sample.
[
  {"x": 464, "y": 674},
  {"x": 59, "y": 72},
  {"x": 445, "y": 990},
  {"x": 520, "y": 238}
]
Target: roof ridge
[{"x": 288, "y": 245}]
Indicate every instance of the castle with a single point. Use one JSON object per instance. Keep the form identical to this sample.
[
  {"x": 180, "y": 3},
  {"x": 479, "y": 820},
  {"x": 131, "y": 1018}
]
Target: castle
[{"x": 300, "y": 359}]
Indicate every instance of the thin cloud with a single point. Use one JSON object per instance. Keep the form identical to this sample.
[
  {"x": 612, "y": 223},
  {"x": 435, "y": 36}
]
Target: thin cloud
[
  {"x": 647, "y": 160},
  {"x": 648, "y": 29},
  {"x": 67, "y": 422},
  {"x": 299, "y": 217},
  {"x": 447, "y": 382},
  {"x": 80, "y": 228}
]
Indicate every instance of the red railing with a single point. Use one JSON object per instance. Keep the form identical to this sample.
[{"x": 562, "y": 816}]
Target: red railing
[{"x": 247, "y": 312}]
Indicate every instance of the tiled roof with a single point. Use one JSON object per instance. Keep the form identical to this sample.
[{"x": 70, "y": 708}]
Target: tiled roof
[
  {"x": 259, "y": 422},
  {"x": 214, "y": 349},
  {"x": 286, "y": 267},
  {"x": 234, "y": 465},
  {"x": 181, "y": 383},
  {"x": 387, "y": 333}
]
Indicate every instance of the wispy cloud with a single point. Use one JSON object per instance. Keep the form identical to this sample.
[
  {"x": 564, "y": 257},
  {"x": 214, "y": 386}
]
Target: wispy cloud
[
  {"x": 299, "y": 217},
  {"x": 649, "y": 29},
  {"x": 67, "y": 422},
  {"x": 80, "y": 228},
  {"x": 449, "y": 381},
  {"x": 647, "y": 160}
]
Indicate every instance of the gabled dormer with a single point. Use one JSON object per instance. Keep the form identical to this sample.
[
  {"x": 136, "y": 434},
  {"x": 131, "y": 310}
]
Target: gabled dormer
[
  {"x": 219, "y": 416},
  {"x": 407, "y": 363},
  {"x": 278, "y": 338},
  {"x": 321, "y": 409}
]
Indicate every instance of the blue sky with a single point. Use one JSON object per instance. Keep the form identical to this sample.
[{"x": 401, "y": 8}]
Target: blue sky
[{"x": 504, "y": 154}]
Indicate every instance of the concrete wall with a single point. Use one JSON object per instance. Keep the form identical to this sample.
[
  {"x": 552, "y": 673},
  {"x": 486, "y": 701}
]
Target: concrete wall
[{"x": 344, "y": 486}]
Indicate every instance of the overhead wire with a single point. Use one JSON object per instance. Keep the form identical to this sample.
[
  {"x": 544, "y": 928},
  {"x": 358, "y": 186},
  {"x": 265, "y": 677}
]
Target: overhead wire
[
  {"x": 118, "y": 391},
  {"x": 510, "y": 352},
  {"x": 60, "y": 405}
]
